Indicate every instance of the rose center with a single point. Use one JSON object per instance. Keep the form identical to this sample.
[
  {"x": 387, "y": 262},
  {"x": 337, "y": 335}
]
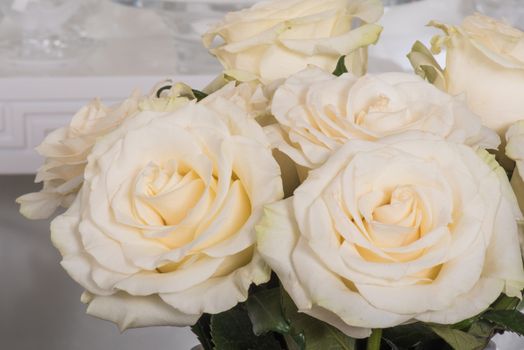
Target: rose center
[
  {"x": 164, "y": 194},
  {"x": 392, "y": 219},
  {"x": 379, "y": 104}
]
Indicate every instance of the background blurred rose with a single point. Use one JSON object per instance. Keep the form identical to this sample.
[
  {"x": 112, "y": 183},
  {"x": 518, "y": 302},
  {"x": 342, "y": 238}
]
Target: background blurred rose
[
  {"x": 275, "y": 39},
  {"x": 485, "y": 62}
]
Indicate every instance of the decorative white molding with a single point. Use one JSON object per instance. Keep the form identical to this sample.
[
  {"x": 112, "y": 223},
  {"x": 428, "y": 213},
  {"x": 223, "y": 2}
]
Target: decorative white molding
[{"x": 32, "y": 107}]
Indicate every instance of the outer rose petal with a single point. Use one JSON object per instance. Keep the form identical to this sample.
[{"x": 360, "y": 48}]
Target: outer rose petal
[
  {"x": 76, "y": 262},
  {"x": 220, "y": 294},
  {"x": 466, "y": 305},
  {"x": 277, "y": 236},
  {"x": 134, "y": 312},
  {"x": 40, "y": 205}
]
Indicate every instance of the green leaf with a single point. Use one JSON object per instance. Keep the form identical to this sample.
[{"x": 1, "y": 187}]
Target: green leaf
[
  {"x": 509, "y": 320},
  {"x": 341, "y": 67},
  {"x": 232, "y": 330},
  {"x": 458, "y": 340},
  {"x": 265, "y": 312},
  {"x": 413, "y": 336},
  {"x": 483, "y": 330},
  {"x": 505, "y": 303},
  {"x": 199, "y": 94},
  {"x": 466, "y": 324},
  {"x": 202, "y": 329},
  {"x": 309, "y": 333}
]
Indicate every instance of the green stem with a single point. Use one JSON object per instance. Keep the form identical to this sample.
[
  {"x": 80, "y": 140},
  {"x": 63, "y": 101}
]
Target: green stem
[{"x": 375, "y": 340}]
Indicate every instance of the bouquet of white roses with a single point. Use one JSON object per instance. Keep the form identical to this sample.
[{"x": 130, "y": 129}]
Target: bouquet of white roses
[{"x": 298, "y": 202}]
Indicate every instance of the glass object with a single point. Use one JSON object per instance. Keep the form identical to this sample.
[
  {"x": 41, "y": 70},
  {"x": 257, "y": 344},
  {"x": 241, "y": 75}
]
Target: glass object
[
  {"x": 188, "y": 20},
  {"x": 45, "y": 31},
  {"x": 512, "y": 11}
]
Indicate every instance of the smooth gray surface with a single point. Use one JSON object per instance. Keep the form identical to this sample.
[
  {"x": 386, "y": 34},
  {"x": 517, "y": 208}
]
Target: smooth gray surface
[{"x": 40, "y": 305}]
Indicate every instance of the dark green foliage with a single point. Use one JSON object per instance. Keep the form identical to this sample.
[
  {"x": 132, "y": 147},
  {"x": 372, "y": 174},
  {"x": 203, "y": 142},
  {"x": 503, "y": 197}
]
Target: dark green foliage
[
  {"x": 202, "y": 330},
  {"x": 508, "y": 320},
  {"x": 199, "y": 95},
  {"x": 341, "y": 67},
  {"x": 232, "y": 330},
  {"x": 269, "y": 320}
]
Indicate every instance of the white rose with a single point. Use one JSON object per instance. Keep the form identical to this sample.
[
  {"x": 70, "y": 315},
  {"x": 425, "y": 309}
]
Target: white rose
[
  {"x": 250, "y": 97},
  {"x": 515, "y": 150},
  {"x": 319, "y": 112},
  {"x": 66, "y": 149},
  {"x": 485, "y": 61},
  {"x": 275, "y": 39},
  {"x": 163, "y": 228},
  {"x": 410, "y": 227}
]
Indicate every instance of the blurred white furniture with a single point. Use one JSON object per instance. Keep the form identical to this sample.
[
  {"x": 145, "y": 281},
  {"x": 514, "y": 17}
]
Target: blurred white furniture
[{"x": 137, "y": 52}]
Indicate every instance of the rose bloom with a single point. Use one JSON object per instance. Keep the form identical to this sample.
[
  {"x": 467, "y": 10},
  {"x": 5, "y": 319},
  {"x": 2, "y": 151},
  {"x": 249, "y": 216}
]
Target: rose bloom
[
  {"x": 66, "y": 149},
  {"x": 515, "y": 150},
  {"x": 408, "y": 228},
  {"x": 163, "y": 228},
  {"x": 275, "y": 39},
  {"x": 249, "y": 96},
  {"x": 485, "y": 61},
  {"x": 318, "y": 112}
]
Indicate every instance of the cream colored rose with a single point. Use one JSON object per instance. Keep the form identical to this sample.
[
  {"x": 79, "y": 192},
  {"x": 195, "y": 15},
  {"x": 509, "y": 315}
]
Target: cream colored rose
[
  {"x": 275, "y": 39},
  {"x": 163, "y": 228},
  {"x": 485, "y": 61},
  {"x": 515, "y": 150},
  {"x": 66, "y": 149},
  {"x": 410, "y": 227},
  {"x": 319, "y": 112},
  {"x": 249, "y": 96}
]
